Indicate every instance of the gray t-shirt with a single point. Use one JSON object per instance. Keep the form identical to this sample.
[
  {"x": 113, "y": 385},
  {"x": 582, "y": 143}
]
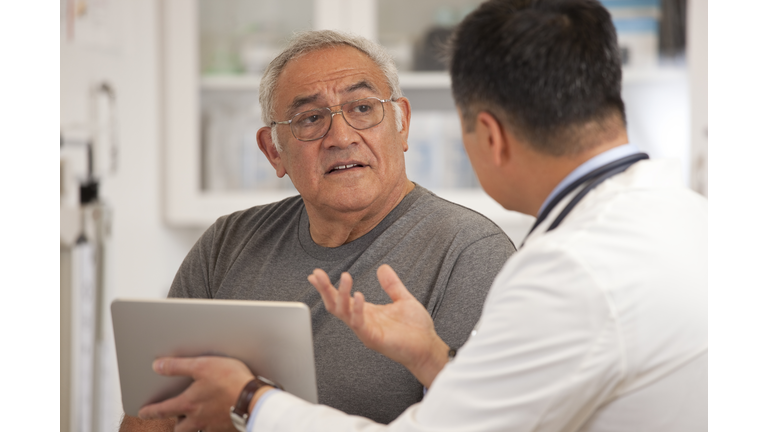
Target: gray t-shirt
[{"x": 445, "y": 254}]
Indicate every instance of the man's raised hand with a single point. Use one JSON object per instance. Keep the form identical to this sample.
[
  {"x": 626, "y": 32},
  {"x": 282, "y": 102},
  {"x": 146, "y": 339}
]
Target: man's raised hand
[{"x": 401, "y": 330}]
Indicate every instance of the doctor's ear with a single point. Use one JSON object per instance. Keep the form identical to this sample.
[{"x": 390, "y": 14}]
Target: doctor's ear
[
  {"x": 269, "y": 148},
  {"x": 493, "y": 136}
]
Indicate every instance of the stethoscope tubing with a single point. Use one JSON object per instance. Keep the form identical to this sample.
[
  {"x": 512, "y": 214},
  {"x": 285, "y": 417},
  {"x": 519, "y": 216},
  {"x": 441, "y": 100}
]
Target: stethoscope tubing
[{"x": 591, "y": 180}]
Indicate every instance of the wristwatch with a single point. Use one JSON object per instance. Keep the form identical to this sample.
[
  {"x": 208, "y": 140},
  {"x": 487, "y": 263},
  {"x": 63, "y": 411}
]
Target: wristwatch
[
  {"x": 451, "y": 353},
  {"x": 239, "y": 412}
]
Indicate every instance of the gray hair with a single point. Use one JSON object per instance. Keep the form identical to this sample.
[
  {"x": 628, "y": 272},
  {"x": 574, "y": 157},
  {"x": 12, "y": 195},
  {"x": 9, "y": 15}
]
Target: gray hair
[{"x": 309, "y": 41}]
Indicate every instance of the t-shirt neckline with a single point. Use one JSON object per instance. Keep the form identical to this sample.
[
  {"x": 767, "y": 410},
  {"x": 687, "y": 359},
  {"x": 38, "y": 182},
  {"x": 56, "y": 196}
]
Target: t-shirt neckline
[{"x": 358, "y": 245}]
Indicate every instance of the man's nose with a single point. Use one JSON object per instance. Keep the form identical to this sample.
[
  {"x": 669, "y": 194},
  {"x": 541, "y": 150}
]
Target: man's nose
[{"x": 341, "y": 134}]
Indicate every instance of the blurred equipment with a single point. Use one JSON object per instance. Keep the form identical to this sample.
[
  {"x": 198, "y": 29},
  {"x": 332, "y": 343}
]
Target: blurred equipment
[
  {"x": 672, "y": 27},
  {"x": 88, "y": 152},
  {"x": 637, "y": 28},
  {"x": 429, "y": 50},
  {"x": 84, "y": 228},
  {"x": 429, "y": 54}
]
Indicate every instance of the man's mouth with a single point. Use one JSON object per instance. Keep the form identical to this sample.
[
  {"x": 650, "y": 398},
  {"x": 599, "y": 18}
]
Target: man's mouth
[{"x": 345, "y": 167}]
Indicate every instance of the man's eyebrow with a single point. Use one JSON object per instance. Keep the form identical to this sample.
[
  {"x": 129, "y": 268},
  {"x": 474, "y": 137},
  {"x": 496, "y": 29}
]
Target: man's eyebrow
[
  {"x": 300, "y": 101},
  {"x": 364, "y": 84}
]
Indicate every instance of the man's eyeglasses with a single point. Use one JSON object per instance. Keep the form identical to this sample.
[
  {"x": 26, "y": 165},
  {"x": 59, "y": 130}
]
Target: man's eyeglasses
[{"x": 314, "y": 124}]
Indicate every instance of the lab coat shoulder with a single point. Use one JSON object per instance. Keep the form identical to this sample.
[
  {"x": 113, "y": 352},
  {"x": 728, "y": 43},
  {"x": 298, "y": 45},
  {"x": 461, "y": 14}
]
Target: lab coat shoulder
[{"x": 642, "y": 235}]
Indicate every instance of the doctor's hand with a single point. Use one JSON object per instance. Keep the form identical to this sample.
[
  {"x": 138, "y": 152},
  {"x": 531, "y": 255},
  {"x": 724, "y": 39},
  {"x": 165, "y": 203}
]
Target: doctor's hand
[
  {"x": 205, "y": 404},
  {"x": 401, "y": 330}
]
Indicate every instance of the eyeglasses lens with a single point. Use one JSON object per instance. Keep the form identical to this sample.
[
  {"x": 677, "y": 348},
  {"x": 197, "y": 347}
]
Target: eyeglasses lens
[
  {"x": 311, "y": 124},
  {"x": 360, "y": 114}
]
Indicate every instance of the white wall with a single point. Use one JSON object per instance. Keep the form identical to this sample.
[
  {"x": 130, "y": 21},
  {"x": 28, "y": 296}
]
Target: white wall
[
  {"x": 697, "y": 61},
  {"x": 142, "y": 253}
]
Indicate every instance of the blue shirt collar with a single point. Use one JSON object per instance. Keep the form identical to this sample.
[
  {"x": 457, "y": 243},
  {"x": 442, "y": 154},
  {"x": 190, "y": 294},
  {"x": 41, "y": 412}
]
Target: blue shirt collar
[{"x": 603, "y": 158}]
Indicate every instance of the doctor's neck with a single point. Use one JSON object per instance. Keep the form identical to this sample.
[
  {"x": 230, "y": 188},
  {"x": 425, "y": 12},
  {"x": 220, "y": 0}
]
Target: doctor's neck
[{"x": 539, "y": 173}]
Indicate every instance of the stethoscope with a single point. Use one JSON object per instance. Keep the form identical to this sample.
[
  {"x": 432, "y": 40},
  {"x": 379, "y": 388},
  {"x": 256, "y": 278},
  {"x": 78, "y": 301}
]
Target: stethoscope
[{"x": 590, "y": 181}]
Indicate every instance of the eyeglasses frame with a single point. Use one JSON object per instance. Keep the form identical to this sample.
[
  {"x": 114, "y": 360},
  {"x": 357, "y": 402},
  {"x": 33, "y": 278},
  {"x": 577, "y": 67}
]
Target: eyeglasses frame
[{"x": 333, "y": 113}]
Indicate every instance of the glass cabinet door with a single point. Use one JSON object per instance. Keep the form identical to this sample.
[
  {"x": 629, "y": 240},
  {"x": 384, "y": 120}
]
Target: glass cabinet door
[
  {"x": 236, "y": 41},
  {"x": 415, "y": 32},
  {"x": 243, "y": 36}
]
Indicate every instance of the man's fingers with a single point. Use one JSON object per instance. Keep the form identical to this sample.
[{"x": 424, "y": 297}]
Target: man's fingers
[
  {"x": 358, "y": 318},
  {"x": 323, "y": 285},
  {"x": 170, "y": 408},
  {"x": 337, "y": 302},
  {"x": 344, "y": 301},
  {"x": 391, "y": 283}
]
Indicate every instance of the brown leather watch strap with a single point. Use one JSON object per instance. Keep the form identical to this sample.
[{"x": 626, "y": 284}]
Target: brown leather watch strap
[{"x": 241, "y": 407}]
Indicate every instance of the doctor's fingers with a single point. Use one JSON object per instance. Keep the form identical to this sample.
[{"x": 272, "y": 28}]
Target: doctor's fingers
[
  {"x": 189, "y": 424},
  {"x": 205, "y": 368},
  {"x": 176, "y": 407},
  {"x": 173, "y": 366}
]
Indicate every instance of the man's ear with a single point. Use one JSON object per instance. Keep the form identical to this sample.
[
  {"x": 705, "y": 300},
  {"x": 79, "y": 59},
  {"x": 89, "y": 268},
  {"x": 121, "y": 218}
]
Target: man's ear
[
  {"x": 264, "y": 138},
  {"x": 405, "y": 108},
  {"x": 491, "y": 135}
]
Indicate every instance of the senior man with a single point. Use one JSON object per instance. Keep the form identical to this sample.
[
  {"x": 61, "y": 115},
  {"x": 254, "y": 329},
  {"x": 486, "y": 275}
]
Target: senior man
[
  {"x": 599, "y": 323},
  {"x": 338, "y": 127}
]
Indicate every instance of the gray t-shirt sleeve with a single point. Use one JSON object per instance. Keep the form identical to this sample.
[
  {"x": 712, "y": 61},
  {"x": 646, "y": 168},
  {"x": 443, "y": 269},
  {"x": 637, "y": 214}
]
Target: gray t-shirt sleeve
[
  {"x": 471, "y": 279},
  {"x": 192, "y": 279}
]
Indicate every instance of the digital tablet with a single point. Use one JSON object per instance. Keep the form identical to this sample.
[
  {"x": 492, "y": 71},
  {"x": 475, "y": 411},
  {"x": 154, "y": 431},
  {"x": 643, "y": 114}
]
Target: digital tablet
[{"x": 273, "y": 338}]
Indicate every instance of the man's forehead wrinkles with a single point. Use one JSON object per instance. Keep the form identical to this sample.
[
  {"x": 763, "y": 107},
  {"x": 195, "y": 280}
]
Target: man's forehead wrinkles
[
  {"x": 327, "y": 78},
  {"x": 335, "y": 78},
  {"x": 329, "y": 86},
  {"x": 301, "y": 100}
]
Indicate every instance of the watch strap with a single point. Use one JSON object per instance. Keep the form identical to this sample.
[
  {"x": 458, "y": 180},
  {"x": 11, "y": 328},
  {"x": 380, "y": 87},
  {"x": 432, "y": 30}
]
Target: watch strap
[
  {"x": 241, "y": 406},
  {"x": 239, "y": 412}
]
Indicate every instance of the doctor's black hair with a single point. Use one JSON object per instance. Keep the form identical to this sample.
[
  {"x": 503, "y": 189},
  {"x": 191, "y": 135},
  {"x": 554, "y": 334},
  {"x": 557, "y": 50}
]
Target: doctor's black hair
[{"x": 545, "y": 68}]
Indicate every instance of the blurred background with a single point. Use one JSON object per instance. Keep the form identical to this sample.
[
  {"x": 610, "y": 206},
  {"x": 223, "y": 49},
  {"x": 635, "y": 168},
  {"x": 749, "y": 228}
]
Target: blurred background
[{"x": 159, "y": 108}]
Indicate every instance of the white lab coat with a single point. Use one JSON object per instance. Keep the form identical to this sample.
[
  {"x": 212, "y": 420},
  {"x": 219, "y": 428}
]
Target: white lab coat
[{"x": 599, "y": 325}]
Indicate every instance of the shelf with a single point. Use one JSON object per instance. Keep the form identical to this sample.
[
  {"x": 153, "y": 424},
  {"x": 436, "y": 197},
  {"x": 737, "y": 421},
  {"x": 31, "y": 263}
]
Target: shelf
[
  {"x": 656, "y": 74},
  {"x": 425, "y": 80},
  {"x": 409, "y": 80},
  {"x": 441, "y": 80},
  {"x": 230, "y": 82}
]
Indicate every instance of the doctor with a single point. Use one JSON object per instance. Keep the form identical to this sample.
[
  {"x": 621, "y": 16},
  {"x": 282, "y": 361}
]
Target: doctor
[{"x": 599, "y": 323}]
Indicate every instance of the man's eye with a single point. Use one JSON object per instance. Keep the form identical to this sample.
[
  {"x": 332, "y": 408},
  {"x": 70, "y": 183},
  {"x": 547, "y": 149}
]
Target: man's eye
[
  {"x": 310, "y": 119},
  {"x": 362, "y": 109}
]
